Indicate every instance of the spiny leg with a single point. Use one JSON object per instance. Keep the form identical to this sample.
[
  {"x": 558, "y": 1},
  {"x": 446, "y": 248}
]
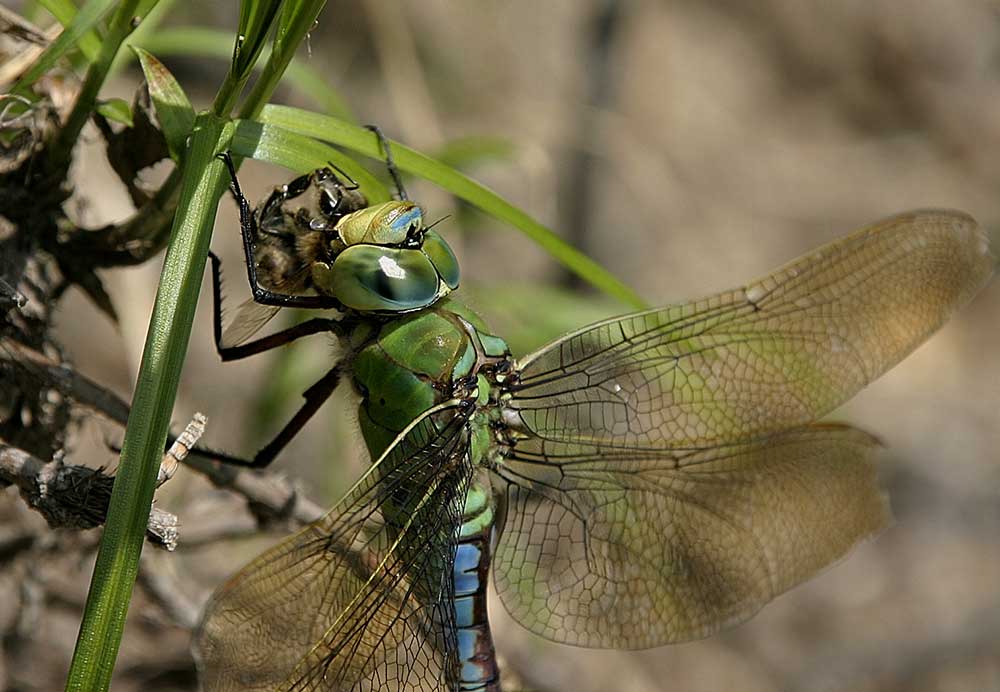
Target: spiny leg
[
  {"x": 316, "y": 325},
  {"x": 331, "y": 166},
  {"x": 319, "y": 392},
  {"x": 389, "y": 163},
  {"x": 315, "y": 397}
]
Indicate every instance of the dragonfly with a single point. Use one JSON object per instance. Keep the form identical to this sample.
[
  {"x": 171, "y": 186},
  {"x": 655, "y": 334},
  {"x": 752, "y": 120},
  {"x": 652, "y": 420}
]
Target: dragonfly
[{"x": 649, "y": 479}]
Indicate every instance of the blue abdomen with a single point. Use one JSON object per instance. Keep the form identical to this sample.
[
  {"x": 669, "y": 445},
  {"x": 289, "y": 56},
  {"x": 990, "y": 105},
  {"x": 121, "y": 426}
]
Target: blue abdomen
[{"x": 478, "y": 670}]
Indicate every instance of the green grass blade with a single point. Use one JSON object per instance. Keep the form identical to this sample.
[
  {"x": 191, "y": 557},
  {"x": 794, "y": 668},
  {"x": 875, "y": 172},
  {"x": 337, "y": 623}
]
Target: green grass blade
[
  {"x": 116, "y": 110},
  {"x": 464, "y": 152},
  {"x": 301, "y": 154},
  {"x": 127, "y": 16},
  {"x": 151, "y": 24},
  {"x": 156, "y": 387},
  {"x": 358, "y": 139},
  {"x": 297, "y": 18},
  {"x": 173, "y": 109},
  {"x": 195, "y": 41},
  {"x": 128, "y": 13},
  {"x": 83, "y": 22},
  {"x": 256, "y": 23},
  {"x": 64, "y": 11}
]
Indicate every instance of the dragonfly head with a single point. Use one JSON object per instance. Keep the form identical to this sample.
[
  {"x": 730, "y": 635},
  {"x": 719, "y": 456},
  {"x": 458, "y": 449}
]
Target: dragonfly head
[{"x": 390, "y": 262}]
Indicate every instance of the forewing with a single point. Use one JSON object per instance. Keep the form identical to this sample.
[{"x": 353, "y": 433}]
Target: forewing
[
  {"x": 250, "y": 318},
  {"x": 611, "y": 549},
  {"x": 359, "y": 600},
  {"x": 777, "y": 353}
]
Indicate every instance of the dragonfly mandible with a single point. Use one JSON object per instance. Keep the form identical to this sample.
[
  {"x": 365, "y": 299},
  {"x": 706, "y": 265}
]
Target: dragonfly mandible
[{"x": 649, "y": 479}]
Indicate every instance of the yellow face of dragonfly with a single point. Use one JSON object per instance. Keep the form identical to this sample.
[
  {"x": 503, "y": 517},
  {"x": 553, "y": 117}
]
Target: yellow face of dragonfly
[{"x": 389, "y": 223}]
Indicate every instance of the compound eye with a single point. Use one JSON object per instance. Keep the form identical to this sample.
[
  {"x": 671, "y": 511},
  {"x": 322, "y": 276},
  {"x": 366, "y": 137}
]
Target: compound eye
[
  {"x": 405, "y": 222},
  {"x": 369, "y": 278},
  {"x": 443, "y": 258}
]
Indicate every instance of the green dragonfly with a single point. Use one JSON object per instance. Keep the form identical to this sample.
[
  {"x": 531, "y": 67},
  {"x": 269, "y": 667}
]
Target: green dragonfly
[{"x": 649, "y": 479}]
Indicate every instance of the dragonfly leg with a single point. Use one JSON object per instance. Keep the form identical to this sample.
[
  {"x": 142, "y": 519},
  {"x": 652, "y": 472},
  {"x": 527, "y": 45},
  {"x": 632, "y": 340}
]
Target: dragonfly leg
[
  {"x": 352, "y": 184},
  {"x": 389, "y": 163},
  {"x": 248, "y": 229},
  {"x": 316, "y": 325},
  {"x": 315, "y": 397}
]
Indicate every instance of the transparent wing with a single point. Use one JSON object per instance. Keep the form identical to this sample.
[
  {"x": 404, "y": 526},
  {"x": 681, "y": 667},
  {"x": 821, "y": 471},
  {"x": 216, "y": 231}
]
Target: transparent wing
[
  {"x": 638, "y": 550},
  {"x": 777, "y": 353},
  {"x": 250, "y": 318},
  {"x": 360, "y": 599},
  {"x": 656, "y": 449}
]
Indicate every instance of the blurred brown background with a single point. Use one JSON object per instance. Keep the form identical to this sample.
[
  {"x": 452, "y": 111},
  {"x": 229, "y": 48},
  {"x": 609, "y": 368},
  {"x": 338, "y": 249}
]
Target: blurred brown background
[{"x": 688, "y": 147}]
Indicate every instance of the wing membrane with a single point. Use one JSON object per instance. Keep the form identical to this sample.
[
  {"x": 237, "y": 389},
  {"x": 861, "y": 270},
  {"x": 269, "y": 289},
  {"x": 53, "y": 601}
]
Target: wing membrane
[
  {"x": 360, "y": 599},
  {"x": 777, "y": 353},
  {"x": 250, "y": 318},
  {"x": 662, "y": 484},
  {"x": 625, "y": 551}
]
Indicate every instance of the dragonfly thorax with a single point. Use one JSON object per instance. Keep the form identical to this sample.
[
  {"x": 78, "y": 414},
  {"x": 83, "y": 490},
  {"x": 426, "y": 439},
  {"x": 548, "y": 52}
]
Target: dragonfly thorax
[{"x": 419, "y": 361}]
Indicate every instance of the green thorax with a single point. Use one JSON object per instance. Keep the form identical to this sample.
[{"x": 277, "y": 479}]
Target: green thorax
[{"x": 412, "y": 364}]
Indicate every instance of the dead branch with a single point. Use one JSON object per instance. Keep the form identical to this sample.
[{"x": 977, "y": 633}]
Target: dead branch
[
  {"x": 269, "y": 496},
  {"x": 72, "y": 496}
]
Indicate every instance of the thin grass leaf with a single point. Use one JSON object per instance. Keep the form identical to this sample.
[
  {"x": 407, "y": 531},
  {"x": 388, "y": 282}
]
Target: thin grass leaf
[
  {"x": 256, "y": 22},
  {"x": 195, "y": 41},
  {"x": 301, "y": 154},
  {"x": 64, "y": 12},
  {"x": 465, "y": 152},
  {"x": 128, "y": 14},
  {"x": 173, "y": 109},
  {"x": 116, "y": 110},
  {"x": 150, "y": 25},
  {"x": 363, "y": 141},
  {"x": 155, "y": 390},
  {"x": 297, "y": 18},
  {"x": 146, "y": 7},
  {"x": 84, "y": 21}
]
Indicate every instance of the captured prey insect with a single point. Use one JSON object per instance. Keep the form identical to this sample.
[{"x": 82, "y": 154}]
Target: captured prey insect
[{"x": 648, "y": 479}]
